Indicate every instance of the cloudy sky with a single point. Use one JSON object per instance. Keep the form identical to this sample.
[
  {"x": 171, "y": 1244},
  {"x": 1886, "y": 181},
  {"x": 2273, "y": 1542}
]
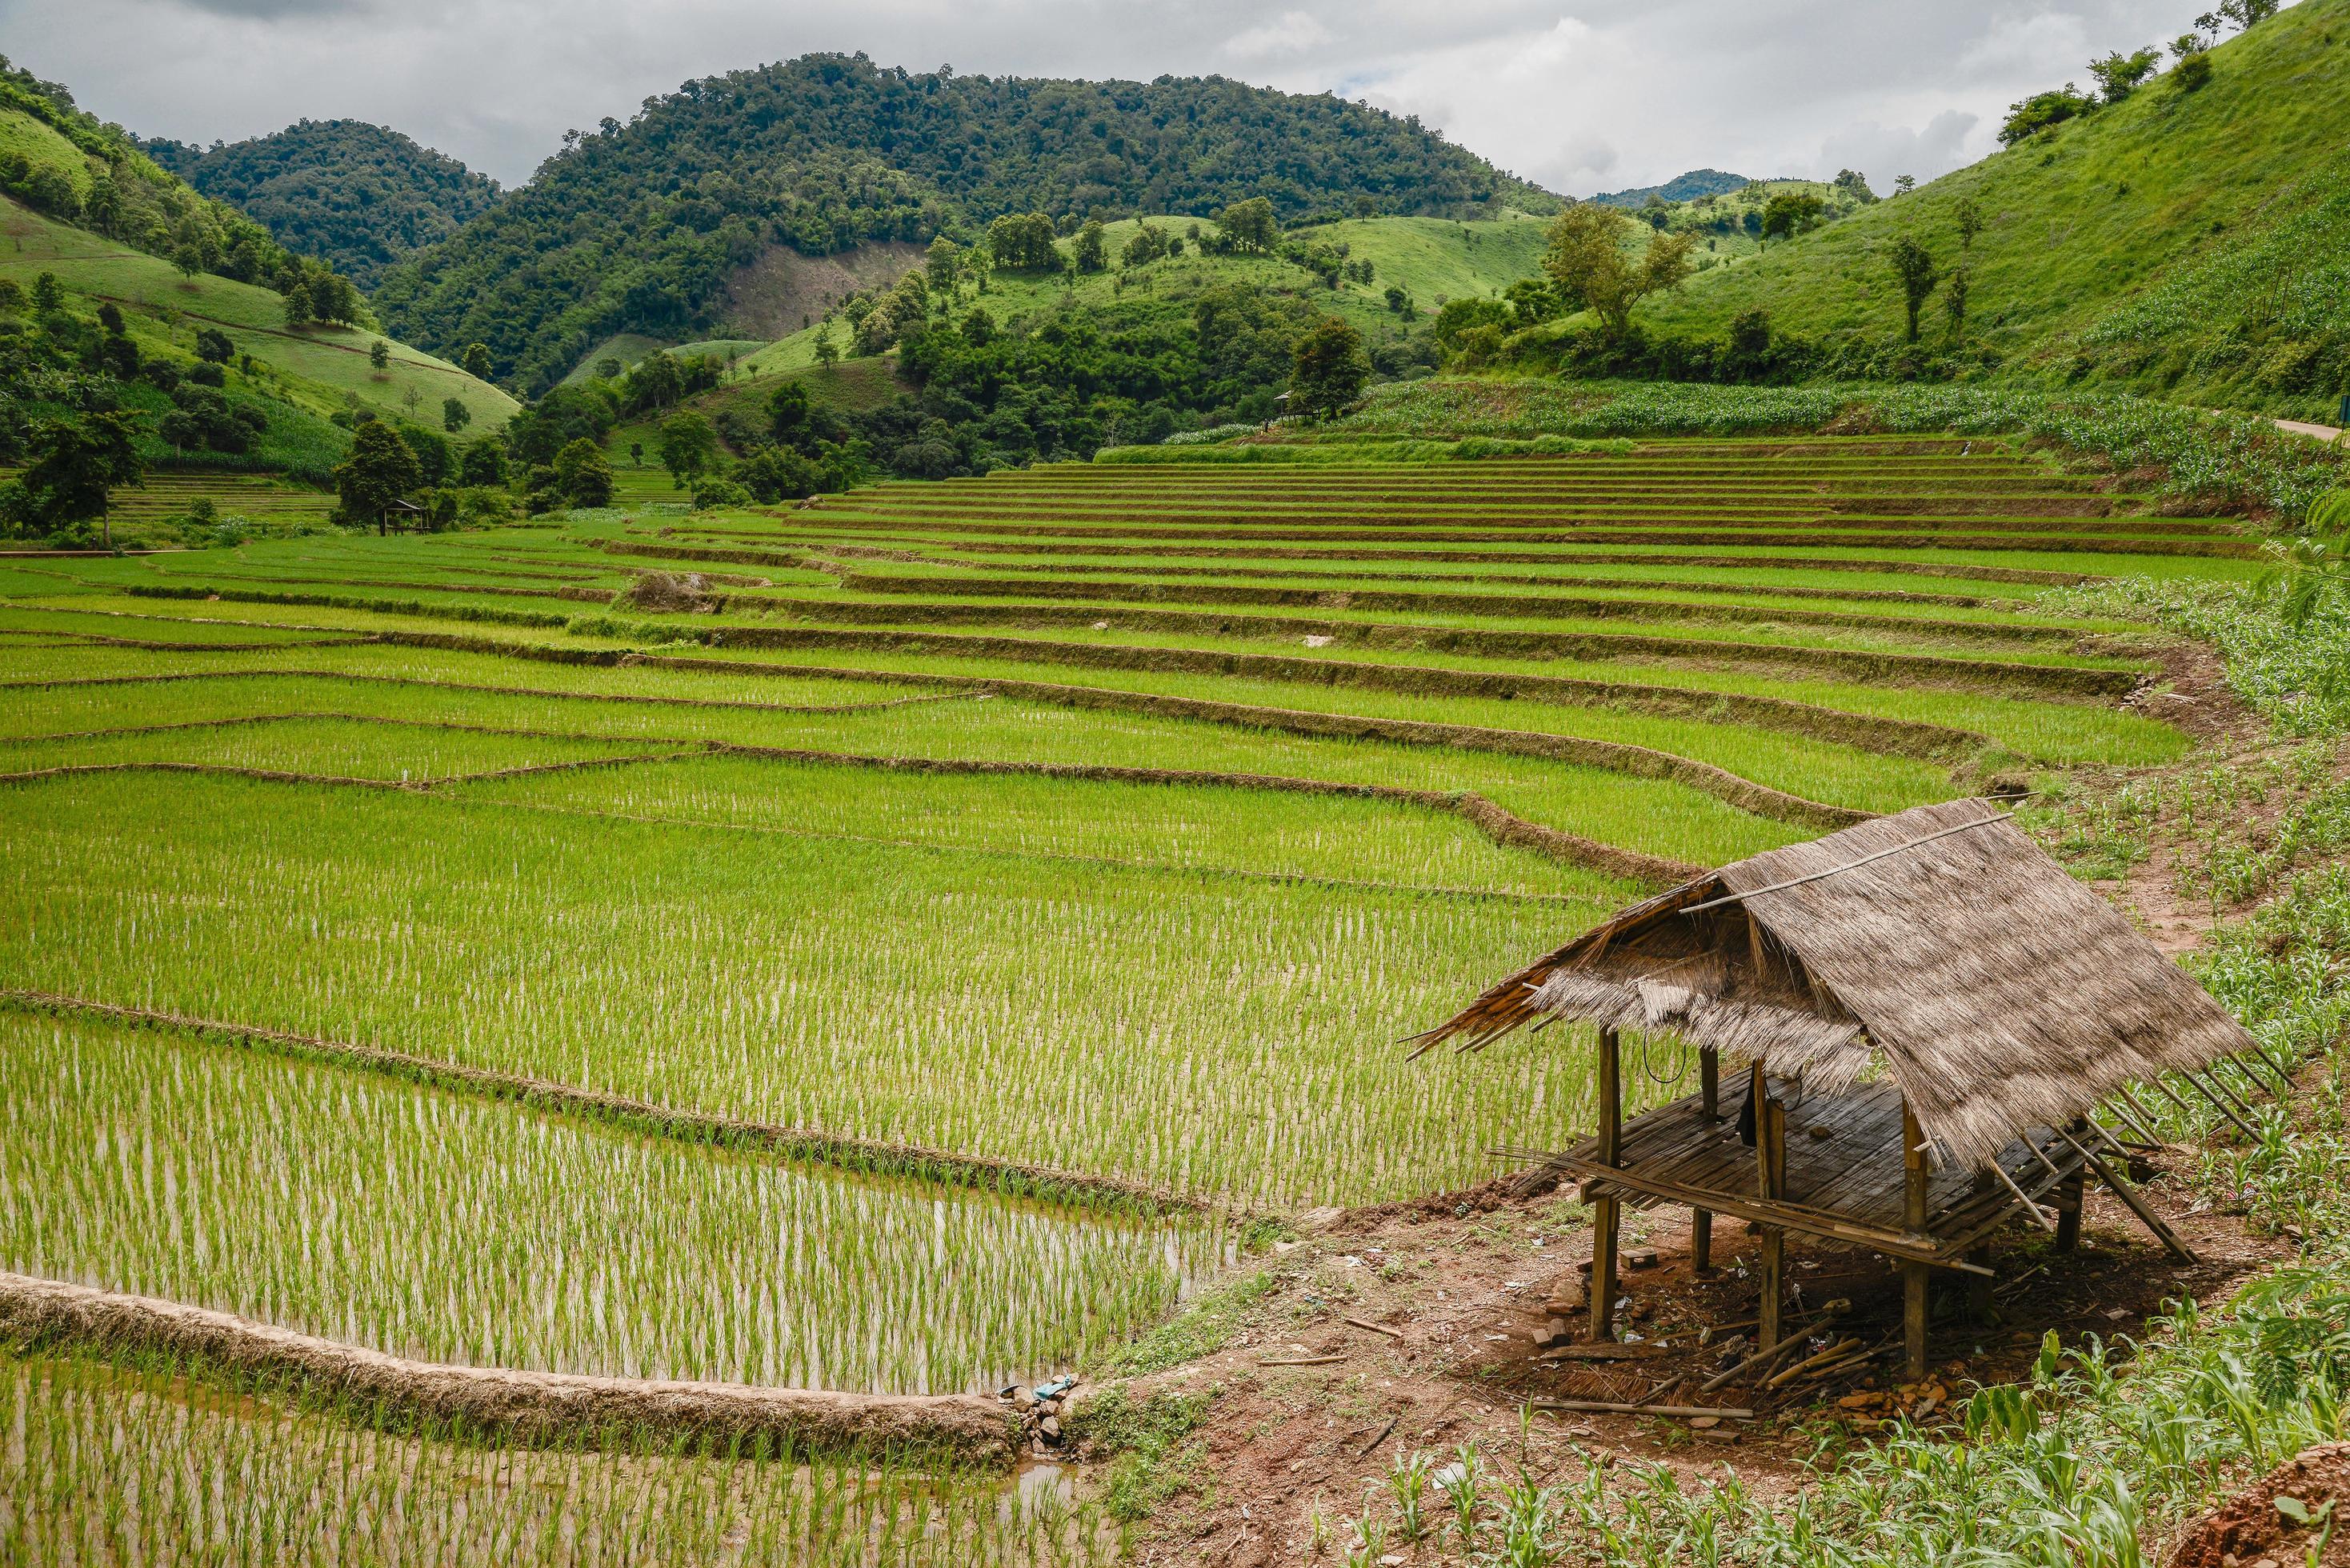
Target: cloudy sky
[{"x": 1584, "y": 95}]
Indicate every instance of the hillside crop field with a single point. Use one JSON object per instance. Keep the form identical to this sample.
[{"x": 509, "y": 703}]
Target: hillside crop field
[{"x": 936, "y": 927}]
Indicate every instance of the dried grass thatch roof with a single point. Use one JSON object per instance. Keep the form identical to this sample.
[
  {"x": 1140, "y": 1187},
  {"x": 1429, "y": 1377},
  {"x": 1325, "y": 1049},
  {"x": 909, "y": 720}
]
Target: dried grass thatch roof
[{"x": 1999, "y": 994}]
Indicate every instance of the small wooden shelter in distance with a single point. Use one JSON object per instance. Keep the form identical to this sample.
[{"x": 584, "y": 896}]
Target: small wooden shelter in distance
[{"x": 1929, "y": 1010}]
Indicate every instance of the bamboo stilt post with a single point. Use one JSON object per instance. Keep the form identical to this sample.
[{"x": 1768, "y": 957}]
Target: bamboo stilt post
[
  {"x": 1709, "y": 1089},
  {"x": 1770, "y": 1170},
  {"x": 1605, "y": 1212},
  {"x": 1915, "y": 1277},
  {"x": 2069, "y": 1193}
]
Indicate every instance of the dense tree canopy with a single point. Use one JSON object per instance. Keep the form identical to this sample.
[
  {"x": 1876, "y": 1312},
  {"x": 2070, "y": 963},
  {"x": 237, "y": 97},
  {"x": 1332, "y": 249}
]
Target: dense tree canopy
[
  {"x": 357, "y": 196},
  {"x": 635, "y": 227}
]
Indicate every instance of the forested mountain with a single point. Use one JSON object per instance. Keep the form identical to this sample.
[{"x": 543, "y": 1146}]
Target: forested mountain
[
  {"x": 635, "y": 227},
  {"x": 1685, "y": 187},
  {"x": 357, "y": 196}
]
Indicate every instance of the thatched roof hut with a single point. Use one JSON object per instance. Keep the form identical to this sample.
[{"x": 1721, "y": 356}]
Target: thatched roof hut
[
  {"x": 1997, "y": 992},
  {"x": 1922, "y": 990}
]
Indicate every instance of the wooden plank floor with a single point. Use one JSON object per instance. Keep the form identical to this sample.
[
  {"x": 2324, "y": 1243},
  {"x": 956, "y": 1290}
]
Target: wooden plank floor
[{"x": 1844, "y": 1155}]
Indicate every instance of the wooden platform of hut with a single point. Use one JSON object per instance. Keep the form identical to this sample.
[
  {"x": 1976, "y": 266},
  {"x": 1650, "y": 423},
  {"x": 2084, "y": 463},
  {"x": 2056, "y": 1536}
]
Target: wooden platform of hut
[{"x": 1936, "y": 1024}]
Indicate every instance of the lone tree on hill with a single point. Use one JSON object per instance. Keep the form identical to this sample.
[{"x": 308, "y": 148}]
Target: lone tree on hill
[
  {"x": 1970, "y": 219},
  {"x": 583, "y": 473},
  {"x": 1914, "y": 270},
  {"x": 688, "y": 444},
  {"x": 378, "y": 354},
  {"x": 1586, "y": 258},
  {"x": 1092, "y": 251},
  {"x": 1790, "y": 213},
  {"x": 1249, "y": 225},
  {"x": 76, "y": 463},
  {"x": 1329, "y": 369},
  {"x": 380, "y": 472},
  {"x": 1954, "y": 303},
  {"x": 476, "y": 362},
  {"x": 2119, "y": 75},
  {"x": 454, "y": 415}
]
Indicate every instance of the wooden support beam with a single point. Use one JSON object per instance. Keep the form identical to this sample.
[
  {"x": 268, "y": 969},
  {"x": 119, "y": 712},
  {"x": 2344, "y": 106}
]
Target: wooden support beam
[
  {"x": 1915, "y": 1278},
  {"x": 2068, "y": 1201},
  {"x": 1606, "y": 1213},
  {"x": 1708, "y": 1090},
  {"x": 2138, "y": 1205},
  {"x": 1770, "y": 1180}
]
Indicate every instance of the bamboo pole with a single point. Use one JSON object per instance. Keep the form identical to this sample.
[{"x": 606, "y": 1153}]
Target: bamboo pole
[
  {"x": 1770, "y": 1170},
  {"x": 1709, "y": 1086},
  {"x": 1915, "y": 1278},
  {"x": 1606, "y": 1212}
]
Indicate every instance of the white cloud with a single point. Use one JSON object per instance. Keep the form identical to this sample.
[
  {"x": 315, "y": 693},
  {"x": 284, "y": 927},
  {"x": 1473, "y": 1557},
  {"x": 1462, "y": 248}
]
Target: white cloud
[
  {"x": 1880, "y": 151},
  {"x": 1291, "y": 33},
  {"x": 1578, "y": 95}
]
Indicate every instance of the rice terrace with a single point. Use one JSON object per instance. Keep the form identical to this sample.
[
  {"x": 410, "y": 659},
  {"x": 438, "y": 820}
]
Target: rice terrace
[{"x": 1206, "y": 878}]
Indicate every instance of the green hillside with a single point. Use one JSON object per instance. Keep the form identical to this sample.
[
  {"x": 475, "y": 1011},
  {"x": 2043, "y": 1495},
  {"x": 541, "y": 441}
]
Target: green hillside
[
  {"x": 1084, "y": 356},
  {"x": 357, "y": 196},
  {"x": 2187, "y": 241},
  {"x": 321, "y": 368},
  {"x": 638, "y": 227}
]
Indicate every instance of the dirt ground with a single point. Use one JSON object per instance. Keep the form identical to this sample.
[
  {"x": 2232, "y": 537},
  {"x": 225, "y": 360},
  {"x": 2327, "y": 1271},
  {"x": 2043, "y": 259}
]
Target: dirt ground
[
  {"x": 1421, "y": 1325},
  {"x": 2250, "y": 1530}
]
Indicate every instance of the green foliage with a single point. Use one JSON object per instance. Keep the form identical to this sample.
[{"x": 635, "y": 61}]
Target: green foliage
[
  {"x": 1915, "y": 273},
  {"x": 356, "y": 196},
  {"x": 1086, "y": 376},
  {"x": 2030, "y": 116},
  {"x": 1023, "y": 242},
  {"x": 2157, "y": 244},
  {"x": 1328, "y": 370},
  {"x": 1789, "y": 213},
  {"x": 380, "y": 472},
  {"x": 689, "y": 444},
  {"x": 582, "y": 473},
  {"x": 1249, "y": 226},
  {"x": 2120, "y": 75},
  {"x": 1144, "y": 1442},
  {"x": 76, "y": 463},
  {"x": 1089, "y": 253},
  {"x": 635, "y": 227},
  {"x": 90, "y": 174},
  {"x": 1586, "y": 261}
]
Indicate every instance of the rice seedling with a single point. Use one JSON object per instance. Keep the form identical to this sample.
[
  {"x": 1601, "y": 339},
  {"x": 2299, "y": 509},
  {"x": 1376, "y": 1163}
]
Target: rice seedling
[
  {"x": 137, "y": 1463},
  {"x": 891, "y": 993},
  {"x": 339, "y": 748},
  {"x": 443, "y": 1229},
  {"x": 1173, "y": 827}
]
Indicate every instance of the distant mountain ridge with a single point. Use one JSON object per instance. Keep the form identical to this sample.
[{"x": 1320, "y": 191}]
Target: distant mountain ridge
[
  {"x": 635, "y": 227},
  {"x": 1684, "y": 187},
  {"x": 359, "y": 197}
]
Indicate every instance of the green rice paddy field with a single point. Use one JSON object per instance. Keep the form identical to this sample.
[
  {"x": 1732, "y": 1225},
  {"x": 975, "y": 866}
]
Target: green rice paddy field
[{"x": 1112, "y": 822}]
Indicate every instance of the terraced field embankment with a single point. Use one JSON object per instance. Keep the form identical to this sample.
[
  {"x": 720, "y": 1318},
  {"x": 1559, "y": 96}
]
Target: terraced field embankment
[{"x": 933, "y": 920}]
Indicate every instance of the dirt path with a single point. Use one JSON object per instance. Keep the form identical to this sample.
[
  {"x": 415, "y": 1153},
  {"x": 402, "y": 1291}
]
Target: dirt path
[{"x": 1420, "y": 1326}]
